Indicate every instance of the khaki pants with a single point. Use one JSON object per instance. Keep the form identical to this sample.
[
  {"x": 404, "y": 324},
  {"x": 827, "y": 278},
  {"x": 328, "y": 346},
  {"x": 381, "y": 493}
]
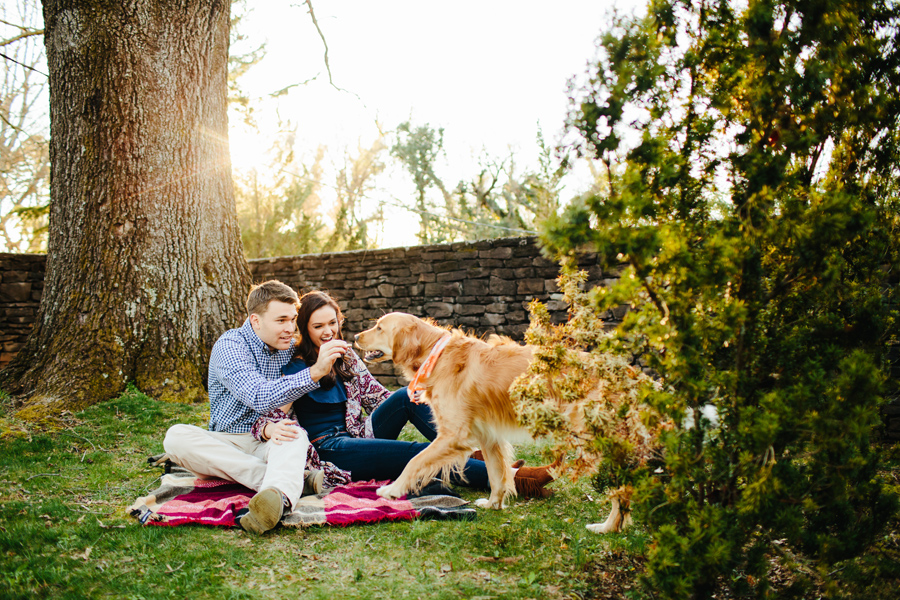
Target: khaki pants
[{"x": 241, "y": 458}]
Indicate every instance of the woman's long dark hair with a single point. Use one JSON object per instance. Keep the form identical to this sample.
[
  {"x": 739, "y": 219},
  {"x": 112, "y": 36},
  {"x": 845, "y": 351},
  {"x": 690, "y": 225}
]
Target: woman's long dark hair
[{"x": 307, "y": 351}]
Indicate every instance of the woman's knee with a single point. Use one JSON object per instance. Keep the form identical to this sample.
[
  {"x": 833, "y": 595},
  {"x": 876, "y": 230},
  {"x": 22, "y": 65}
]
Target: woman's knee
[{"x": 402, "y": 396}]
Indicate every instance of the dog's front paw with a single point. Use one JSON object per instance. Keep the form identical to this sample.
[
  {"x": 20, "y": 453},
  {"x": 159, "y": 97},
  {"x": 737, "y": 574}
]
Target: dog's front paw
[
  {"x": 389, "y": 492},
  {"x": 488, "y": 503}
]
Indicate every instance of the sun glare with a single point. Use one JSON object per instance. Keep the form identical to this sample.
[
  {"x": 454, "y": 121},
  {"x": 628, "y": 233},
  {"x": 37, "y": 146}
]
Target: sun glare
[{"x": 249, "y": 149}]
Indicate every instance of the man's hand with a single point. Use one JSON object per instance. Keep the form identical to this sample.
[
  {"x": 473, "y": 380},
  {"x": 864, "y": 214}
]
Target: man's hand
[
  {"x": 284, "y": 430},
  {"x": 328, "y": 353}
]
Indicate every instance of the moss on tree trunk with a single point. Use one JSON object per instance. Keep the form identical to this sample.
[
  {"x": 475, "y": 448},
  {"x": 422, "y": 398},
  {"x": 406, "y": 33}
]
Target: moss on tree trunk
[{"x": 145, "y": 266}]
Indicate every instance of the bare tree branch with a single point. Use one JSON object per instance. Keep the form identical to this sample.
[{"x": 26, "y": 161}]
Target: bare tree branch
[
  {"x": 16, "y": 25},
  {"x": 25, "y": 33},
  {"x": 23, "y": 65},
  {"x": 312, "y": 15},
  {"x": 285, "y": 89},
  {"x": 7, "y": 121}
]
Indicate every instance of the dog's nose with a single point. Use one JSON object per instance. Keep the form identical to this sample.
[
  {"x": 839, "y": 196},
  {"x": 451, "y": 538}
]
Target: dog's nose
[{"x": 356, "y": 337}]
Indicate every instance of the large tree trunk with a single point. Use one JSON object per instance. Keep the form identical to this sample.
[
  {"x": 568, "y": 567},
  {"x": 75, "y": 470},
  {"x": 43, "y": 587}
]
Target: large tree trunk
[{"x": 145, "y": 267}]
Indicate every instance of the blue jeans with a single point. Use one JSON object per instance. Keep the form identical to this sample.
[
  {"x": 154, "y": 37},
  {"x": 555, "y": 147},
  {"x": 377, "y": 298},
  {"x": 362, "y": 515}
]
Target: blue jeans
[{"x": 384, "y": 456}]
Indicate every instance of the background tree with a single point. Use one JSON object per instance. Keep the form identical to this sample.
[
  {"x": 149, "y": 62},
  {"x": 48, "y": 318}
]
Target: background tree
[
  {"x": 418, "y": 148},
  {"x": 145, "y": 266},
  {"x": 353, "y": 183},
  {"x": 496, "y": 202},
  {"x": 279, "y": 209},
  {"x": 240, "y": 61},
  {"x": 24, "y": 143},
  {"x": 500, "y": 201},
  {"x": 751, "y": 155}
]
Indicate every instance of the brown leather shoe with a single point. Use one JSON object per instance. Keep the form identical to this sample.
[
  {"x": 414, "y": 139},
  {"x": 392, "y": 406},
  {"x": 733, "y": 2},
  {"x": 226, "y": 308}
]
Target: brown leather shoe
[
  {"x": 477, "y": 455},
  {"x": 530, "y": 482},
  {"x": 266, "y": 509},
  {"x": 313, "y": 482}
]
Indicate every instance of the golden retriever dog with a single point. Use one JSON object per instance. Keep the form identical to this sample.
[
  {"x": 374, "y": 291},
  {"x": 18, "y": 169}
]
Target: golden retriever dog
[{"x": 468, "y": 391}]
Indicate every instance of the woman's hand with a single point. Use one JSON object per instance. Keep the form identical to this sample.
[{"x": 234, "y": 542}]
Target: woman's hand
[
  {"x": 328, "y": 353},
  {"x": 284, "y": 430}
]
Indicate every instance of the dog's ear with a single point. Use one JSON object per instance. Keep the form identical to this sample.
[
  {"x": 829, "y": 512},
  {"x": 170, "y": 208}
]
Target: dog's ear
[{"x": 406, "y": 343}]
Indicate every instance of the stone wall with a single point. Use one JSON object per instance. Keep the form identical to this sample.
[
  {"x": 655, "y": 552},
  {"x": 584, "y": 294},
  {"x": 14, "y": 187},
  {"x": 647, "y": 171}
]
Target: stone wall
[
  {"x": 483, "y": 287},
  {"x": 21, "y": 286}
]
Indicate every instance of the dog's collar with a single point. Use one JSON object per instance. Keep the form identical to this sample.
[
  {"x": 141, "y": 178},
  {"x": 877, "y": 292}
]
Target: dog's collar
[{"x": 417, "y": 385}]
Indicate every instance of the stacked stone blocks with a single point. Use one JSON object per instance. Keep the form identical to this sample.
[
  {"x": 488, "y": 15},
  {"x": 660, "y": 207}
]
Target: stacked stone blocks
[
  {"x": 21, "y": 287},
  {"x": 482, "y": 287}
]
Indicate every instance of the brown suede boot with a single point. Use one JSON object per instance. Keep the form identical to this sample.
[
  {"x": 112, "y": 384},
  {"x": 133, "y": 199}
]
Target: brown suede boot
[
  {"x": 266, "y": 509},
  {"x": 477, "y": 455},
  {"x": 313, "y": 482},
  {"x": 530, "y": 482}
]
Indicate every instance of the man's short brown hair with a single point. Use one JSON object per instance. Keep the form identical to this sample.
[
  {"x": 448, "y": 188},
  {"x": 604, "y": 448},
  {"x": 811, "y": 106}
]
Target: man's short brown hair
[{"x": 261, "y": 294}]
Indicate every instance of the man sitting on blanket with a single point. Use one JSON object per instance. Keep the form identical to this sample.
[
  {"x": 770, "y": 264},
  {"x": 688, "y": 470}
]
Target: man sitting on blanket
[{"x": 245, "y": 382}]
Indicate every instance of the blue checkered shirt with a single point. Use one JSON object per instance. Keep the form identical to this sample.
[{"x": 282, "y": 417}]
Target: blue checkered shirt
[{"x": 245, "y": 380}]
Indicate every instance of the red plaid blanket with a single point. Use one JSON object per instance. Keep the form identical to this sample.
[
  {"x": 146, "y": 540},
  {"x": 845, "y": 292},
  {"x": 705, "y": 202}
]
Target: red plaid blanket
[{"x": 184, "y": 499}]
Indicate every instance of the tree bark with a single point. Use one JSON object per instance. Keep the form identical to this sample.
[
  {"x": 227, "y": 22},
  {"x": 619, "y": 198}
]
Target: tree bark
[{"x": 145, "y": 266}]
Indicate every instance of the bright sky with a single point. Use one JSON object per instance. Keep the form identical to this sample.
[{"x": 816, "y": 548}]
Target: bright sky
[{"x": 489, "y": 72}]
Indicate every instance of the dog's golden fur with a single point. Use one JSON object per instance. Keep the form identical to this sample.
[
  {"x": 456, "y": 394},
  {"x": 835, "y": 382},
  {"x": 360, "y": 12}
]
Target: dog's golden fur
[
  {"x": 620, "y": 516},
  {"x": 468, "y": 392}
]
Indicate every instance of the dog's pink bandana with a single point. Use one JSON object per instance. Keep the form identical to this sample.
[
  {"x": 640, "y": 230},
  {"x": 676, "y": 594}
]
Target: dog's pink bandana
[{"x": 417, "y": 385}]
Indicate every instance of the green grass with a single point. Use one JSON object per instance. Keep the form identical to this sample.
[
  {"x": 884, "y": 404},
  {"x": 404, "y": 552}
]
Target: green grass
[{"x": 65, "y": 533}]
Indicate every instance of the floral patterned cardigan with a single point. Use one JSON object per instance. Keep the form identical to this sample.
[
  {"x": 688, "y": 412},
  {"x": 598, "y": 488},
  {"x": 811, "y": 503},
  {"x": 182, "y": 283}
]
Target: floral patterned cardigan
[{"x": 363, "y": 392}]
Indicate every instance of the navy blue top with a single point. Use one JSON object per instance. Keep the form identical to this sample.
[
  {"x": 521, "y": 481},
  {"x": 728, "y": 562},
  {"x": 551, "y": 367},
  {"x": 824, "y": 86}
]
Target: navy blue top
[{"x": 319, "y": 411}]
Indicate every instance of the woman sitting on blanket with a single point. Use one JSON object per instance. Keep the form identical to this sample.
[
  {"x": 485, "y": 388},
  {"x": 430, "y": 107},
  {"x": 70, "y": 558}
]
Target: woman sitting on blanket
[{"x": 366, "y": 446}]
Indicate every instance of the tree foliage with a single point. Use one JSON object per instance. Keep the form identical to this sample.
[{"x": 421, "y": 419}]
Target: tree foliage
[
  {"x": 284, "y": 210},
  {"x": 500, "y": 199},
  {"x": 751, "y": 154},
  {"x": 240, "y": 60},
  {"x": 353, "y": 184},
  {"x": 279, "y": 213},
  {"x": 418, "y": 149},
  {"x": 585, "y": 396},
  {"x": 497, "y": 201}
]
